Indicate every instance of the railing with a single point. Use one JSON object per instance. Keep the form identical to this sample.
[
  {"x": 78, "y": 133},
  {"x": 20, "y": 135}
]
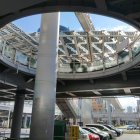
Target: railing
[{"x": 122, "y": 115}]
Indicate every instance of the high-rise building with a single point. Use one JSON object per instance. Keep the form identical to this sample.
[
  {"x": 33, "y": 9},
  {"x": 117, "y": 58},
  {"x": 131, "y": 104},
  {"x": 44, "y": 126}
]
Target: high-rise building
[
  {"x": 106, "y": 110},
  {"x": 99, "y": 104}
]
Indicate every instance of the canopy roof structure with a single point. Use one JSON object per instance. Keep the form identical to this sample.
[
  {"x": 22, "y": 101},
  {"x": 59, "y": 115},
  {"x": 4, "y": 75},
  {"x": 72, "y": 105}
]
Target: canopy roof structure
[
  {"x": 83, "y": 58},
  {"x": 78, "y": 52},
  {"x": 93, "y": 54}
]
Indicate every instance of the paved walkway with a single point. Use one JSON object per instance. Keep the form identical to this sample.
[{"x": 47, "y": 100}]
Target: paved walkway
[
  {"x": 7, "y": 130},
  {"x": 6, "y": 133},
  {"x": 129, "y": 137}
]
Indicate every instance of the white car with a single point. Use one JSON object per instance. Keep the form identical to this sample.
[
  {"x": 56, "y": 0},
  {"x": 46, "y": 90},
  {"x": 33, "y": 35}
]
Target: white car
[
  {"x": 83, "y": 135},
  {"x": 112, "y": 133},
  {"x": 100, "y": 131}
]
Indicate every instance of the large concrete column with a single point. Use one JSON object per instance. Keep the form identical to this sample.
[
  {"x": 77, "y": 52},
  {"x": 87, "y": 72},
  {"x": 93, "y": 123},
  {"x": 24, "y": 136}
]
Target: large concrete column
[
  {"x": 42, "y": 125},
  {"x": 17, "y": 115}
]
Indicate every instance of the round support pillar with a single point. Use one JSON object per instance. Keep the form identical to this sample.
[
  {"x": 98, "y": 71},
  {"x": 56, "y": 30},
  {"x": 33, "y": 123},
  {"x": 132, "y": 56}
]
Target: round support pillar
[
  {"x": 17, "y": 115},
  {"x": 42, "y": 124}
]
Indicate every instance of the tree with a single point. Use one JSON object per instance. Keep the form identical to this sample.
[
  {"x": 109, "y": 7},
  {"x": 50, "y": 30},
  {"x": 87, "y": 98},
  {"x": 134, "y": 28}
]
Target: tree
[{"x": 74, "y": 64}]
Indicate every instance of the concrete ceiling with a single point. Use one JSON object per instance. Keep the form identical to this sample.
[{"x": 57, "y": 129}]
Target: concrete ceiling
[
  {"x": 126, "y": 10},
  {"x": 128, "y": 84}
]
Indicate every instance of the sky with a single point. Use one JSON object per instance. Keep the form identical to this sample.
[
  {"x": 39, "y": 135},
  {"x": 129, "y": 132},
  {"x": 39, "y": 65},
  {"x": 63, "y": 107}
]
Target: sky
[
  {"x": 68, "y": 19},
  {"x": 128, "y": 101}
]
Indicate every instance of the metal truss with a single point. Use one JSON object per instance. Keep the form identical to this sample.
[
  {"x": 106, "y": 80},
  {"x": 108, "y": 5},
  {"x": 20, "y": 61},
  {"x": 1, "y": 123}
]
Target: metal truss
[
  {"x": 95, "y": 50},
  {"x": 92, "y": 50},
  {"x": 85, "y": 21}
]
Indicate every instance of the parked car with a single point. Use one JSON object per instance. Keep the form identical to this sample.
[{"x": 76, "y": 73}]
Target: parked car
[
  {"x": 99, "y": 131},
  {"x": 92, "y": 136},
  {"x": 100, "y": 134},
  {"x": 112, "y": 133},
  {"x": 118, "y": 131},
  {"x": 121, "y": 131},
  {"x": 138, "y": 128},
  {"x": 131, "y": 127},
  {"x": 83, "y": 135}
]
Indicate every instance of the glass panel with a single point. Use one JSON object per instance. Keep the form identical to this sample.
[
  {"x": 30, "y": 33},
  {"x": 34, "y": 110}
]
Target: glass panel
[
  {"x": 97, "y": 63},
  {"x": 136, "y": 48},
  {"x": 123, "y": 56},
  {"x": 64, "y": 65},
  {"x": 21, "y": 58},
  {"x": 9, "y": 52},
  {"x": 110, "y": 60}
]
